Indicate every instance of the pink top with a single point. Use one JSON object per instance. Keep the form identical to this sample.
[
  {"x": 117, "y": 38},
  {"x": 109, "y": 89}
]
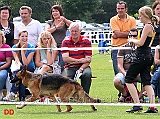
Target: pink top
[{"x": 5, "y": 54}]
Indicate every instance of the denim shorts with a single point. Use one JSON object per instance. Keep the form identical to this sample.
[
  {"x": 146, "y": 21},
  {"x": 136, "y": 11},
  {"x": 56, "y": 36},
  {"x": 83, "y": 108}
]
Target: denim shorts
[{"x": 121, "y": 77}]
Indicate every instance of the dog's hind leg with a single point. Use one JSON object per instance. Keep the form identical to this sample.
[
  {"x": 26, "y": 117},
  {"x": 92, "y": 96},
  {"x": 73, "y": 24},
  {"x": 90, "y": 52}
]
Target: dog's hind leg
[
  {"x": 55, "y": 100},
  {"x": 59, "y": 108},
  {"x": 65, "y": 92},
  {"x": 82, "y": 96}
]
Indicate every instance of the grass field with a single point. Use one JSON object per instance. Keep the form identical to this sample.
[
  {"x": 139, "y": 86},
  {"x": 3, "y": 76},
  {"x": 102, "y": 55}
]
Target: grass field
[{"x": 102, "y": 87}]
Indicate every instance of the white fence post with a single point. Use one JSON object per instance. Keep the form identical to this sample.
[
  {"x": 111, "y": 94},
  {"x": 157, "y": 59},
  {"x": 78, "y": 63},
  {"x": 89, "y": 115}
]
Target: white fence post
[{"x": 97, "y": 36}]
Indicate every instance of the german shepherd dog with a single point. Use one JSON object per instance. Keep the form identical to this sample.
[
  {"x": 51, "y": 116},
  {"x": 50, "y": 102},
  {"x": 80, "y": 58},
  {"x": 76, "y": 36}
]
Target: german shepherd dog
[{"x": 49, "y": 84}]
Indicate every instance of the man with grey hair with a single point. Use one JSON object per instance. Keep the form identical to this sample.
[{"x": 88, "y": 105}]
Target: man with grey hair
[
  {"x": 33, "y": 27},
  {"x": 77, "y": 61}
]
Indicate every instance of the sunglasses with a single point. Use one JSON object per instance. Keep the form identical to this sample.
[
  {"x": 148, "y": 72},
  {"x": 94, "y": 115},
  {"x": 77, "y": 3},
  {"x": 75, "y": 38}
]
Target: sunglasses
[{"x": 132, "y": 35}]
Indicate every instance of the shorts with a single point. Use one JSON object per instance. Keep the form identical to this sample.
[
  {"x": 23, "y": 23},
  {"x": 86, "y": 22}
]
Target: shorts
[{"x": 121, "y": 77}]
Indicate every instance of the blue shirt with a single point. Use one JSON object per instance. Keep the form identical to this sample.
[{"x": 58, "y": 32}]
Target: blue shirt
[{"x": 31, "y": 65}]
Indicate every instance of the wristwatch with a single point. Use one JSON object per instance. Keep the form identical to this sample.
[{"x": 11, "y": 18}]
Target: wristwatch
[{"x": 81, "y": 69}]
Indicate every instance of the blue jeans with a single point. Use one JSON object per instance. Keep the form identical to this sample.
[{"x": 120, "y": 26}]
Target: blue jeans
[
  {"x": 155, "y": 81},
  {"x": 61, "y": 62},
  {"x": 157, "y": 88},
  {"x": 85, "y": 77},
  {"x": 3, "y": 76},
  {"x": 114, "y": 61}
]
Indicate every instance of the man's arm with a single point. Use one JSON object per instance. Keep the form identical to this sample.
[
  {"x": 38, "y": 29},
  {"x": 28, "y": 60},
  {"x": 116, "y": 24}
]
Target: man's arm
[
  {"x": 15, "y": 40},
  {"x": 120, "y": 65},
  {"x": 84, "y": 61},
  {"x": 70, "y": 60},
  {"x": 156, "y": 56},
  {"x": 119, "y": 34}
]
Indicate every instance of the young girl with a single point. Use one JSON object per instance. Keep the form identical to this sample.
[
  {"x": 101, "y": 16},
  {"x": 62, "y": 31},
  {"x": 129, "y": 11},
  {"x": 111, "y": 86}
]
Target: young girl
[
  {"x": 23, "y": 57},
  {"x": 143, "y": 60},
  {"x": 45, "y": 58}
]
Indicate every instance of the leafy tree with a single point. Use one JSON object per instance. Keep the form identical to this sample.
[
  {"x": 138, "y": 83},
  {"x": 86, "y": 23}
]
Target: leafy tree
[
  {"x": 134, "y": 5},
  {"x": 79, "y": 9},
  {"x": 105, "y": 11},
  {"x": 86, "y": 10}
]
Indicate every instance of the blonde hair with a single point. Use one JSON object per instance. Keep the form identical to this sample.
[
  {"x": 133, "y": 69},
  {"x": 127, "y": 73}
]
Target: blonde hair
[
  {"x": 148, "y": 13},
  {"x": 3, "y": 37},
  {"x": 26, "y": 7},
  {"x": 42, "y": 35}
]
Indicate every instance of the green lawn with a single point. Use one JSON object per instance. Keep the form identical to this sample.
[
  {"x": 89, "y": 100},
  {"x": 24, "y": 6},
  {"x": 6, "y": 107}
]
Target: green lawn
[{"x": 102, "y": 87}]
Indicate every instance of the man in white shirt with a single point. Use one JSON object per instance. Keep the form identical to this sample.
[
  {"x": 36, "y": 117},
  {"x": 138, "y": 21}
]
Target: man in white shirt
[{"x": 33, "y": 27}]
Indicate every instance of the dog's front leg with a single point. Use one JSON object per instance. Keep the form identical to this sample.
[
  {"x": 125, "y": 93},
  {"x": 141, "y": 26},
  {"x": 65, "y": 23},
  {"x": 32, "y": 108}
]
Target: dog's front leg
[
  {"x": 31, "y": 99},
  {"x": 21, "y": 106}
]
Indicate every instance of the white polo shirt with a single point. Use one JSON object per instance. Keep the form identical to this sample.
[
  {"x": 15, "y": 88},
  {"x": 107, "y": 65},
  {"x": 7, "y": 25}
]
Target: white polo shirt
[{"x": 34, "y": 28}]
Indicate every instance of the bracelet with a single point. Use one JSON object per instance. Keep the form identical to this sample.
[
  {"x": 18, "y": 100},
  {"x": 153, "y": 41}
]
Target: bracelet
[
  {"x": 49, "y": 51},
  {"x": 55, "y": 27}
]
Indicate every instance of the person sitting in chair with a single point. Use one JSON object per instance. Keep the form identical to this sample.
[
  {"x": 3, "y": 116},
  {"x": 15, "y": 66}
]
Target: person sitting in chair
[
  {"x": 125, "y": 57},
  {"x": 77, "y": 61}
]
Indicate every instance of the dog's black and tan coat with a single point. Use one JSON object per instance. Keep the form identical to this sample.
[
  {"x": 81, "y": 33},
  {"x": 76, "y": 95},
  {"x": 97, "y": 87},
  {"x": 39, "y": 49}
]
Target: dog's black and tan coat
[{"x": 48, "y": 84}]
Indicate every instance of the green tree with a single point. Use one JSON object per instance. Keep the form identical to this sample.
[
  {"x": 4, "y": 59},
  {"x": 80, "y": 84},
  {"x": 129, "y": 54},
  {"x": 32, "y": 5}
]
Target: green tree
[
  {"x": 86, "y": 10},
  {"x": 79, "y": 9},
  {"x": 134, "y": 5},
  {"x": 40, "y": 8}
]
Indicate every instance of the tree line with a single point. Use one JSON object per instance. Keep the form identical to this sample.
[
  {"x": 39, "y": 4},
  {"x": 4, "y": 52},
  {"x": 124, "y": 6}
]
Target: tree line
[{"x": 98, "y": 11}]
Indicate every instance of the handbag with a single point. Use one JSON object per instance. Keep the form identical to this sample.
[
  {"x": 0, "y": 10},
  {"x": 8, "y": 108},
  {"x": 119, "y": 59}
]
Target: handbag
[{"x": 15, "y": 66}]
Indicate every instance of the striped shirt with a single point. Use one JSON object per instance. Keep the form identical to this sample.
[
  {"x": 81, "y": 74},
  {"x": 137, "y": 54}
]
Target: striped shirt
[{"x": 77, "y": 54}]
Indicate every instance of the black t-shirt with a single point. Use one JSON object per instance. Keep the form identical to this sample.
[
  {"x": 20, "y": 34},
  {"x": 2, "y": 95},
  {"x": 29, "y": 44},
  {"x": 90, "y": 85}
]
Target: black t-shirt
[
  {"x": 156, "y": 40},
  {"x": 9, "y": 33}
]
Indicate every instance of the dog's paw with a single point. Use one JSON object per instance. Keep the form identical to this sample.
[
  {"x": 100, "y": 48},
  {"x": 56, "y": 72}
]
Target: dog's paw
[
  {"x": 68, "y": 109},
  {"x": 93, "y": 108},
  {"x": 20, "y": 106},
  {"x": 59, "y": 110}
]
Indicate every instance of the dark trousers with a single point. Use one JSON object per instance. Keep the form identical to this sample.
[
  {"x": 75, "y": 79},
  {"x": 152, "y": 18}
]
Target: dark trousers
[
  {"x": 85, "y": 77},
  {"x": 114, "y": 61},
  {"x": 142, "y": 65}
]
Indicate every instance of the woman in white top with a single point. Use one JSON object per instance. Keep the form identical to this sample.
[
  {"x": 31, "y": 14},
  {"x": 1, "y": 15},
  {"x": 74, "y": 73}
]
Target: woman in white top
[{"x": 45, "y": 59}]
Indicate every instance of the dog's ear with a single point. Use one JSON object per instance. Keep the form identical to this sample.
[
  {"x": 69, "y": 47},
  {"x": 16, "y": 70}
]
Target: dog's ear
[{"x": 23, "y": 71}]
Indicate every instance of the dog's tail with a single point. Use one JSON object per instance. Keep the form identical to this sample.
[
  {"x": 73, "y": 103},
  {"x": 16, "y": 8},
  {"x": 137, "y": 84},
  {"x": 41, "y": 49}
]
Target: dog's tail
[{"x": 81, "y": 96}]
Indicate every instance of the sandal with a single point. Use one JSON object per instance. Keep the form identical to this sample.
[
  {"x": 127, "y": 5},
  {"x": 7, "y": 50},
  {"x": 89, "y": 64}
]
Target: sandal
[{"x": 122, "y": 98}]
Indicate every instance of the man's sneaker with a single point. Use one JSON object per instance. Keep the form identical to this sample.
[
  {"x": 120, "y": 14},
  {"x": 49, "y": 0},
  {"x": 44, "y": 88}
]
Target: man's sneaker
[
  {"x": 9, "y": 97},
  {"x": 152, "y": 110},
  {"x": 135, "y": 109}
]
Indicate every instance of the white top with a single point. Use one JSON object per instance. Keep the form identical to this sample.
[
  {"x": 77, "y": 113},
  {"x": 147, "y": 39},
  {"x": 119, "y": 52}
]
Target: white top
[{"x": 34, "y": 28}]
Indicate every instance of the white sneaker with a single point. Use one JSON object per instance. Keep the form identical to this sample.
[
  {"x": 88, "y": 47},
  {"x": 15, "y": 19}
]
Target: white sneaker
[{"x": 9, "y": 97}]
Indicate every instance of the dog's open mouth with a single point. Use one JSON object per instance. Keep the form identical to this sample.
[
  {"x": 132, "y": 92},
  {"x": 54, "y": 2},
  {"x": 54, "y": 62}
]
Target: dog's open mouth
[{"x": 16, "y": 81}]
